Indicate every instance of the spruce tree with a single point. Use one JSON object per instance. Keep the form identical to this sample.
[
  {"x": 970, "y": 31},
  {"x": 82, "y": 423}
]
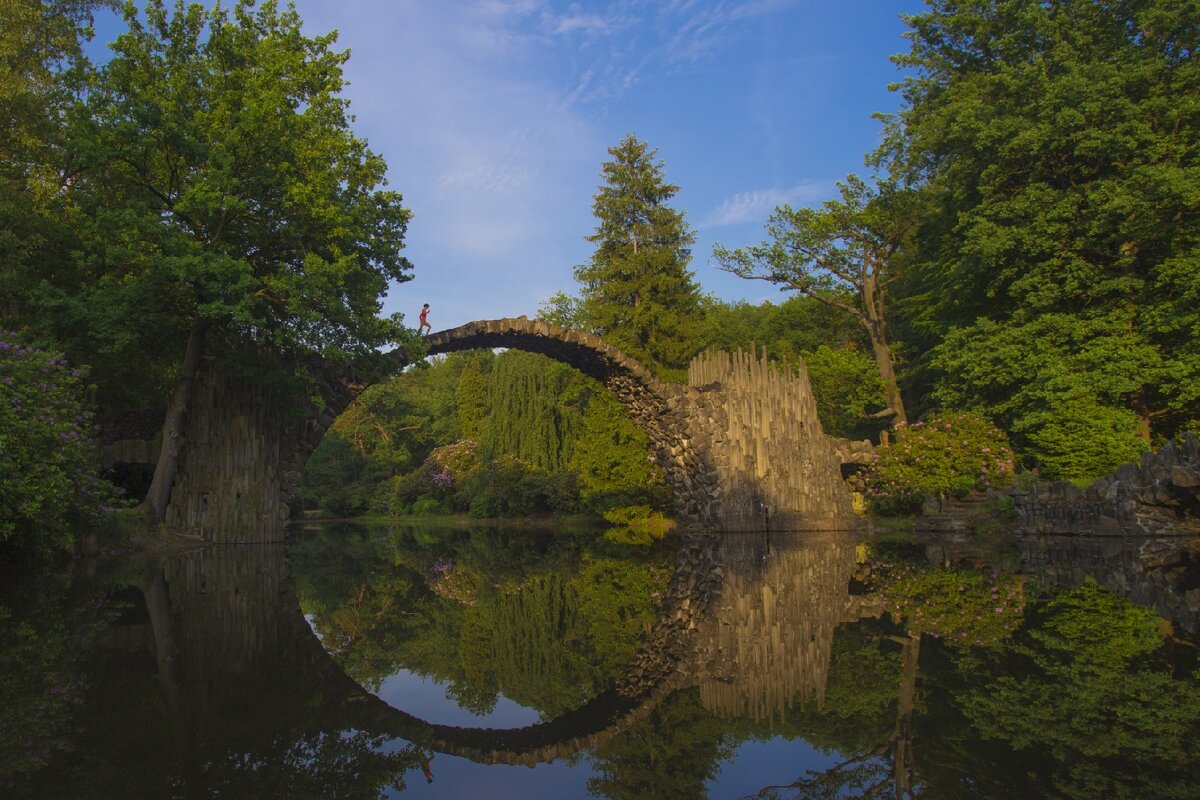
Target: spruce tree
[{"x": 638, "y": 293}]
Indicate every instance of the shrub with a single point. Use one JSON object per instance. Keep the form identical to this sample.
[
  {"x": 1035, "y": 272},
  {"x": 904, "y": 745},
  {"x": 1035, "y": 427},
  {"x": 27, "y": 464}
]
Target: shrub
[
  {"x": 426, "y": 506},
  {"x": 508, "y": 486},
  {"x": 949, "y": 454},
  {"x": 457, "y": 460},
  {"x": 48, "y": 464},
  {"x": 402, "y": 491},
  {"x": 1080, "y": 439}
]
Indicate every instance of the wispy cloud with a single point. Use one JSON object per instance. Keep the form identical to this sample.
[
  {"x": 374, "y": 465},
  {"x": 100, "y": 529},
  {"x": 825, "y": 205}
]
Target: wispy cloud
[
  {"x": 577, "y": 22},
  {"x": 701, "y": 30},
  {"x": 615, "y": 44},
  {"x": 757, "y": 204}
]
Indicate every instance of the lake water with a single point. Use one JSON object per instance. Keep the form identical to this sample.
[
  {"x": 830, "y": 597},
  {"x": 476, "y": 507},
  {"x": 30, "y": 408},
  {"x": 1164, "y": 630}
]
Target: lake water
[{"x": 512, "y": 663}]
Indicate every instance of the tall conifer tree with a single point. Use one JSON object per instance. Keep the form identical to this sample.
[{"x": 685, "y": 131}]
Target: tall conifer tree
[{"x": 637, "y": 290}]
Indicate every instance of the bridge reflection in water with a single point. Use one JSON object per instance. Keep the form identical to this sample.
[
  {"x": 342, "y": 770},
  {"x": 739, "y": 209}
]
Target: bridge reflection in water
[
  {"x": 749, "y": 619},
  {"x": 747, "y": 623}
]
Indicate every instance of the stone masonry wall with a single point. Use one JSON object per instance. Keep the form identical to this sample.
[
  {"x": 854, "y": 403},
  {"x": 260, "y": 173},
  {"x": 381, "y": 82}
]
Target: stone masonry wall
[{"x": 1160, "y": 495}]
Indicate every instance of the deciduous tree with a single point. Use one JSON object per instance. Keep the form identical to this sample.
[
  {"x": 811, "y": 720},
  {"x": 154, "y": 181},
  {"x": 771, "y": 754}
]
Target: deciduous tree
[
  {"x": 1059, "y": 143},
  {"x": 842, "y": 255},
  {"x": 228, "y": 184}
]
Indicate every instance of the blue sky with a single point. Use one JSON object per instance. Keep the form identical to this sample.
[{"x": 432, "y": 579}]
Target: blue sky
[{"x": 494, "y": 117}]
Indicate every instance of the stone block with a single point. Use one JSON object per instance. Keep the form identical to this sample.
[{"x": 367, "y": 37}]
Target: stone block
[{"x": 1185, "y": 477}]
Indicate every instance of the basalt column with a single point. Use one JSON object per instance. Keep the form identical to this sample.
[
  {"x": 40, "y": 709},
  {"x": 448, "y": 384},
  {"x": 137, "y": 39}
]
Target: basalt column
[
  {"x": 770, "y": 641},
  {"x": 757, "y": 425},
  {"x": 245, "y": 444},
  {"x": 229, "y": 485}
]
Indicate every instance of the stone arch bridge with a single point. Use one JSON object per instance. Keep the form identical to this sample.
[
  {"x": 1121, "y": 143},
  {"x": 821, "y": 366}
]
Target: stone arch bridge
[{"x": 740, "y": 445}]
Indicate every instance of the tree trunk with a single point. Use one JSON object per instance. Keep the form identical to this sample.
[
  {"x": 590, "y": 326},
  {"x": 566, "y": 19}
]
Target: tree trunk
[
  {"x": 1142, "y": 409},
  {"x": 877, "y": 331},
  {"x": 903, "y": 770},
  {"x": 887, "y": 373},
  {"x": 172, "y": 432}
]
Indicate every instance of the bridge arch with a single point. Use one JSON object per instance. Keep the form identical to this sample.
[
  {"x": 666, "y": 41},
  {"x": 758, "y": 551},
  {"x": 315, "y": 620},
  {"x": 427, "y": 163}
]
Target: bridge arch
[
  {"x": 656, "y": 406},
  {"x": 585, "y": 351}
]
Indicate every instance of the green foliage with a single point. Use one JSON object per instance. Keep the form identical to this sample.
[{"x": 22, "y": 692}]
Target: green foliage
[
  {"x": 333, "y": 479},
  {"x": 636, "y": 525},
  {"x": 1057, "y": 143},
  {"x": 563, "y": 309},
  {"x": 47, "y": 450},
  {"x": 638, "y": 293},
  {"x": 797, "y": 325},
  {"x": 845, "y": 382},
  {"x": 398, "y": 449},
  {"x": 860, "y": 693},
  {"x": 613, "y": 461},
  {"x": 618, "y": 598},
  {"x": 840, "y": 255},
  {"x": 368, "y": 426},
  {"x": 948, "y": 454},
  {"x": 42, "y": 71},
  {"x": 544, "y": 620},
  {"x": 1077, "y": 438},
  {"x": 205, "y": 178},
  {"x": 1059, "y": 383},
  {"x": 534, "y": 414},
  {"x": 509, "y": 487},
  {"x": 847, "y": 389},
  {"x": 458, "y": 460},
  {"x": 437, "y": 486},
  {"x": 672, "y": 753},
  {"x": 43, "y": 679},
  {"x": 224, "y": 147},
  {"x": 390, "y": 430},
  {"x": 965, "y": 608},
  {"x": 1092, "y": 714},
  {"x": 472, "y": 396}
]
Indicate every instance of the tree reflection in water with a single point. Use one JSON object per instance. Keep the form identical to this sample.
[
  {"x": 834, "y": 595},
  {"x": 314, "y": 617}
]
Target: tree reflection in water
[{"x": 930, "y": 669}]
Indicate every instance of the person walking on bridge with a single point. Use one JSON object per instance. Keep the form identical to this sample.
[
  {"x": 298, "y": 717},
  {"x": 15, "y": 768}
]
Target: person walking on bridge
[{"x": 425, "y": 328}]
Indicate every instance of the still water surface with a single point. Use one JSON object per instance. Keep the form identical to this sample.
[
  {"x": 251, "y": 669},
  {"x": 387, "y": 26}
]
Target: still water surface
[{"x": 488, "y": 663}]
